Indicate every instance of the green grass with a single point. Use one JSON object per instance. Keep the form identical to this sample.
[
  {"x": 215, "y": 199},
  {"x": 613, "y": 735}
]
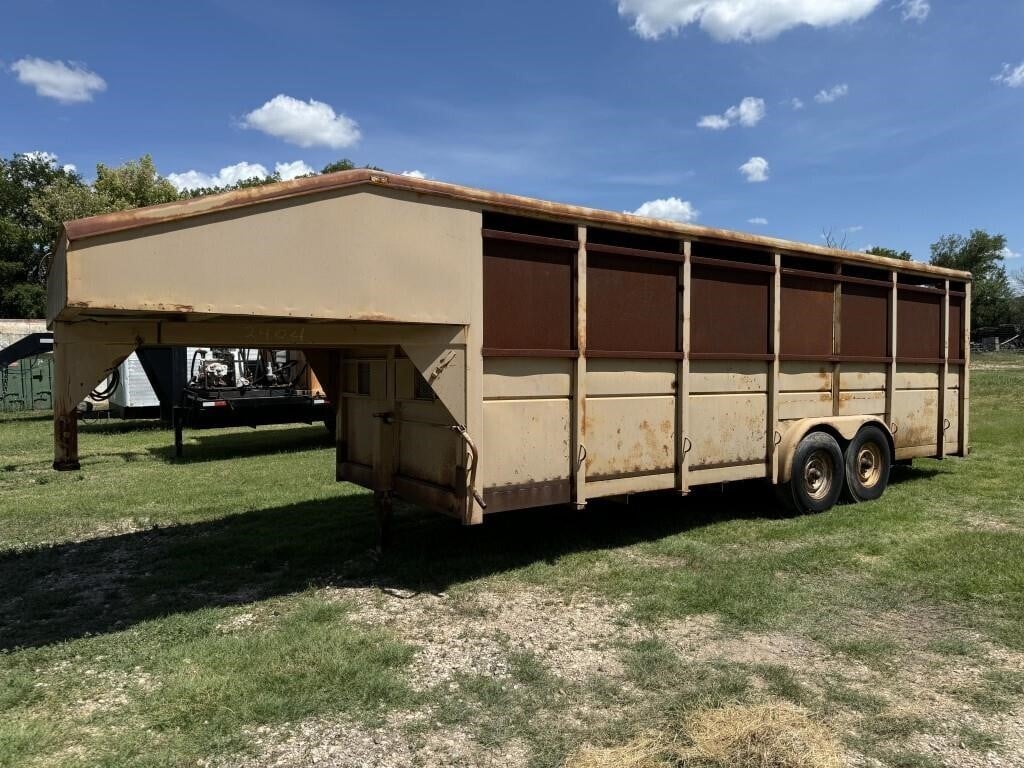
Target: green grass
[{"x": 123, "y": 584}]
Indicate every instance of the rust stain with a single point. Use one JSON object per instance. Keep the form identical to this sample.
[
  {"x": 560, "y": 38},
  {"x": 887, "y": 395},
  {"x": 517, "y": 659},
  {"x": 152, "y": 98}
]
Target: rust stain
[{"x": 376, "y": 317}]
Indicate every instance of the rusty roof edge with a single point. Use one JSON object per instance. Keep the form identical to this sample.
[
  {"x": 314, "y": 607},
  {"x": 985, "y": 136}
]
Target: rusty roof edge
[{"x": 119, "y": 221}]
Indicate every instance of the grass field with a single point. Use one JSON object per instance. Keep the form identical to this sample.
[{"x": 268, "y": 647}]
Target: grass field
[{"x": 228, "y": 610}]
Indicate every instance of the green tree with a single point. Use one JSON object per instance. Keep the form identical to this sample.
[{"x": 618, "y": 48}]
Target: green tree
[
  {"x": 252, "y": 181},
  {"x": 65, "y": 199},
  {"x": 339, "y": 165},
  {"x": 25, "y": 237},
  {"x": 982, "y": 255},
  {"x": 889, "y": 253},
  {"x": 346, "y": 165},
  {"x": 132, "y": 185}
]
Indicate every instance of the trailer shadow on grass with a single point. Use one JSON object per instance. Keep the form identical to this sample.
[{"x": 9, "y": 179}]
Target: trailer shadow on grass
[
  {"x": 70, "y": 590},
  {"x": 111, "y": 426},
  {"x": 221, "y": 446}
]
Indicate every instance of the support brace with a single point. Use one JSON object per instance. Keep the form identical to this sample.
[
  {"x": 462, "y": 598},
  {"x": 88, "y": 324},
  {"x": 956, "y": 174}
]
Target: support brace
[{"x": 79, "y": 367}]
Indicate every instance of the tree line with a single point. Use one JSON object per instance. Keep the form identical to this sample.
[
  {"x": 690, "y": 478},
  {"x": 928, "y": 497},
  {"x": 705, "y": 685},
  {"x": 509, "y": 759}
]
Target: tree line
[{"x": 37, "y": 196}]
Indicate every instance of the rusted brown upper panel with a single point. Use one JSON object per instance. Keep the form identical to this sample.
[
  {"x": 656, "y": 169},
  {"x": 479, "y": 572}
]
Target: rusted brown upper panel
[{"x": 183, "y": 209}]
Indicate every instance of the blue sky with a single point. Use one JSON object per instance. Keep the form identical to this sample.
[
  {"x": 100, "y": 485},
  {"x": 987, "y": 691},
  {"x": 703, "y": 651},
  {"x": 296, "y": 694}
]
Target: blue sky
[{"x": 917, "y": 129}]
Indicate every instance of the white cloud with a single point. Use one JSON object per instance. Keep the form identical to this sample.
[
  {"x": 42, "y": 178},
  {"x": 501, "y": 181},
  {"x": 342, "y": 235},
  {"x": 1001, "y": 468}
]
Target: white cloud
[
  {"x": 828, "y": 95},
  {"x": 1008, "y": 254},
  {"x": 755, "y": 169},
  {"x": 231, "y": 174},
  {"x": 714, "y": 122},
  {"x": 671, "y": 208},
  {"x": 727, "y": 20},
  {"x": 758, "y": 220},
  {"x": 747, "y": 113},
  {"x": 796, "y": 104},
  {"x": 415, "y": 174},
  {"x": 305, "y": 123},
  {"x": 47, "y": 157},
  {"x": 1011, "y": 76},
  {"x": 67, "y": 83},
  {"x": 288, "y": 171},
  {"x": 50, "y": 159},
  {"x": 915, "y": 10},
  {"x": 851, "y": 230}
]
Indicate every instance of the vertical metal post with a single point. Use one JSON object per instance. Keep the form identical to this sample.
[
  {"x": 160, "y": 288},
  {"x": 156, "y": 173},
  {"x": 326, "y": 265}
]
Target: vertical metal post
[
  {"x": 472, "y": 512},
  {"x": 890, "y": 377},
  {"x": 965, "y": 376},
  {"x": 683, "y": 444},
  {"x": 341, "y": 416},
  {"x": 837, "y": 341},
  {"x": 775, "y": 307},
  {"x": 65, "y": 404},
  {"x": 384, "y": 453},
  {"x": 943, "y": 373},
  {"x": 178, "y": 420},
  {"x": 579, "y": 379}
]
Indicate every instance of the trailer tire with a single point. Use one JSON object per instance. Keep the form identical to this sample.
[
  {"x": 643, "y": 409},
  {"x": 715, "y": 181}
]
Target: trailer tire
[
  {"x": 817, "y": 478},
  {"x": 868, "y": 461}
]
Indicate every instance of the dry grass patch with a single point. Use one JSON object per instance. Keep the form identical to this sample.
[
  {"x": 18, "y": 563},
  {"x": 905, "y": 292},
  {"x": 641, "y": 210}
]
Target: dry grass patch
[
  {"x": 576, "y": 636},
  {"x": 650, "y": 751},
  {"x": 761, "y": 736},
  {"x": 770, "y": 735}
]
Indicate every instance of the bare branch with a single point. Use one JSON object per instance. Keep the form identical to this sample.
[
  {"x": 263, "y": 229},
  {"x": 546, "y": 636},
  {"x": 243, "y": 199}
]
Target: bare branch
[{"x": 831, "y": 241}]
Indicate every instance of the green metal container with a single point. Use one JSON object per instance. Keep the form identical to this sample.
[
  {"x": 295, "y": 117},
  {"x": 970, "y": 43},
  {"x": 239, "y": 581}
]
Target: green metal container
[{"x": 27, "y": 385}]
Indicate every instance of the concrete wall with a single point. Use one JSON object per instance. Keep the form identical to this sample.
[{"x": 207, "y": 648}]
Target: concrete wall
[{"x": 13, "y": 330}]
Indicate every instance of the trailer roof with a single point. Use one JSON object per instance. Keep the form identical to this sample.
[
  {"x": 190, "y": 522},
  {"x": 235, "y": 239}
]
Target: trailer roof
[{"x": 122, "y": 221}]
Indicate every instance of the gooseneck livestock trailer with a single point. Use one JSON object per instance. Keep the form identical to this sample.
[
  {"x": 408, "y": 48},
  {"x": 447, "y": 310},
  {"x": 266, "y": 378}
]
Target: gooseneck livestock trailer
[{"x": 489, "y": 352}]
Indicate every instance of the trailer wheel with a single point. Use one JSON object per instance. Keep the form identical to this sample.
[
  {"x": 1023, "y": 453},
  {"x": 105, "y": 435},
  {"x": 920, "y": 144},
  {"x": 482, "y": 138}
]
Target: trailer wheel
[
  {"x": 868, "y": 460},
  {"x": 817, "y": 478}
]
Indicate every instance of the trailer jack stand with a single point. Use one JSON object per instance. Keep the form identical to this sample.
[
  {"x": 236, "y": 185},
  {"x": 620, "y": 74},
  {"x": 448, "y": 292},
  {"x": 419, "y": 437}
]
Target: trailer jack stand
[
  {"x": 383, "y": 504},
  {"x": 179, "y": 425}
]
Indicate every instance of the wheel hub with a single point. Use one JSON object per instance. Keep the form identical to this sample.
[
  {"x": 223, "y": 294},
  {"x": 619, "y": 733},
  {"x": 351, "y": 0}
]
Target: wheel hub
[
  {"x": 819, "y": 473},
  {"x": 869, "y": 465}
]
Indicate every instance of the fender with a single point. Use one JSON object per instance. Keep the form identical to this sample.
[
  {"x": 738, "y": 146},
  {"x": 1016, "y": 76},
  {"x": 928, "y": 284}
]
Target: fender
[{"x": 845, "y": 427}]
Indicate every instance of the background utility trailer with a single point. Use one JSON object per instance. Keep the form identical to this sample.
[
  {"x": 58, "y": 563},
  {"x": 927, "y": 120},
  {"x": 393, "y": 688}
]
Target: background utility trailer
[{"x": 491, "y": 352}]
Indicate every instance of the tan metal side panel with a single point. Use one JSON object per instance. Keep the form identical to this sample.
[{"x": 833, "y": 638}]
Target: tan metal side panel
[
  {"x": 805, "y": 405},
  {"x": 862, "y": 403},
  {"x": 629, "y": 435},
  {"x": 711, "y": 376},
  {"x": 805, "y": 377},
  {"x": 728, "y": 429},
  {"x": 910, "y": 376},
  {"x": 915, "y": 452},
  {"x": 952, "y": 435},
  {"x": 953, "y": 377},
  {"x": 405, "y": 380},
  {"x": 527, "y": 441},
  {"x": 362, "y": 256},
  {"x": 622, "y": 485},
  {"x": 426, "y": 411},
  {"x": 915, "y": 413},
  {"x": 378, "y": 376},
  {"x": 630, "y": 377},
  {"x": 857, "y": 376},
  {"x": 427, "y": 452},
  {"x": 512, "y": 377},
  {"x": 360, "y": 425},
  {"x": 727, "y": 474},
  {"x": 57, "y": 282}
]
